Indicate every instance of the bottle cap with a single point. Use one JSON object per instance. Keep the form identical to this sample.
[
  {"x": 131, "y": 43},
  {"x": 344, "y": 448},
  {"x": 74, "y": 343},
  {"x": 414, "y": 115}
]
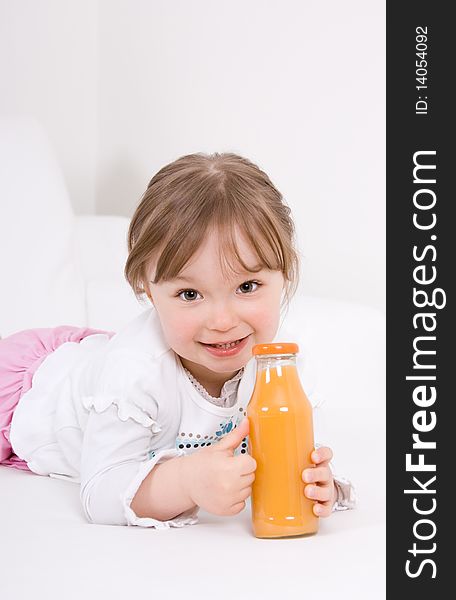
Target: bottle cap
[{"x": 277, "y": 348}]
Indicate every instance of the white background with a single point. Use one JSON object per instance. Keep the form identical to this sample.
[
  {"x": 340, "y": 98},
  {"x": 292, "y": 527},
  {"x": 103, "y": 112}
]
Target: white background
[{"x": 298, "y": 86}]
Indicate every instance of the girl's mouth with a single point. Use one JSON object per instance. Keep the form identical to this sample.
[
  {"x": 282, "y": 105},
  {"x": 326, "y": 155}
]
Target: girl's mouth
[{"x": 226, "y": 349}]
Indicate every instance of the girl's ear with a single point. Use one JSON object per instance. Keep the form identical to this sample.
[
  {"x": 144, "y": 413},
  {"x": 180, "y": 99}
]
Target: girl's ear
[{"x": 148, "y": 294}]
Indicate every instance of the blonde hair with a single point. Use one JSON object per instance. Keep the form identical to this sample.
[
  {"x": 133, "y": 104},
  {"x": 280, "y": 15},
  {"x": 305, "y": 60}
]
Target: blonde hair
[{"x": 189, "y": 197}]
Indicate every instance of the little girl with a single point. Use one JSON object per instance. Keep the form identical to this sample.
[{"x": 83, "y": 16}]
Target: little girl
[{"x": 151, "y": 420}]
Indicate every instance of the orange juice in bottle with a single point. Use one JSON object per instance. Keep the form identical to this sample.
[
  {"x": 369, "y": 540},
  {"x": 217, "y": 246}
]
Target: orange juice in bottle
[{"x": 281, "y": 441}]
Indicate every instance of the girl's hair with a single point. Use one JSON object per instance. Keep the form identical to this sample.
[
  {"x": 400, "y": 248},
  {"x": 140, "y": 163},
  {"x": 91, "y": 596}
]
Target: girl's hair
[{"x": 200, "y": 192}]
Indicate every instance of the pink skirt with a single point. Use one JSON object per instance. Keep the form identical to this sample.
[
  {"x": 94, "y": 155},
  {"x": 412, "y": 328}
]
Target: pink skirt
[{"x": 20, "y": 356}]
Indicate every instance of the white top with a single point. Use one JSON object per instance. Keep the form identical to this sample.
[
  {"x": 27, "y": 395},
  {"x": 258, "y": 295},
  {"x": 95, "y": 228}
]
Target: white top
[{"x": 103, "y": 412}]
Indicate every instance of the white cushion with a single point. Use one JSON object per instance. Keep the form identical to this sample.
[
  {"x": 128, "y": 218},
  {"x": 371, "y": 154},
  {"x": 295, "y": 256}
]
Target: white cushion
[
  {"x": 345, "y": 344},
  {"x": 41, "y": 285},
  {"x": 101, "y": 245}
]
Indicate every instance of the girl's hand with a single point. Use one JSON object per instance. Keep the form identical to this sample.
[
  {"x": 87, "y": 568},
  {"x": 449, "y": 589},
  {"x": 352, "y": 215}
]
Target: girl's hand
[
  {"x": 215, "y": 479},
  {"x": 321, "y": 482}
]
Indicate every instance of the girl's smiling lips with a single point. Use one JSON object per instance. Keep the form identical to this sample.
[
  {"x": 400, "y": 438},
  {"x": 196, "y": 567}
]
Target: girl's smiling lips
[
  {"x": 227, "y": 342},
  {"x": 221, "y": 352}
]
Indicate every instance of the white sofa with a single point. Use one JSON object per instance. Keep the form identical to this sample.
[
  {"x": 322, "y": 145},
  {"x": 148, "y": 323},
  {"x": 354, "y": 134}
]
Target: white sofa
[{"x": 57, "y": 268}]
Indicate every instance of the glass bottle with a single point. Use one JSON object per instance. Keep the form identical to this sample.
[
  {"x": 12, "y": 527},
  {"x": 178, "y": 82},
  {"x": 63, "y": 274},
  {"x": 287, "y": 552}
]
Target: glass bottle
[{"x": 281, "y": 440}]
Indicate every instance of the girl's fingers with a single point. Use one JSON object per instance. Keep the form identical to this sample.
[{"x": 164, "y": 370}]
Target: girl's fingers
[
  {"x": 322, "y": 510},
  {"x": 316, "y": 492},
  {"x": 321, "y": 480},
  {"x": 321, "y": 455},
  {"x": 317, "y": 474}
]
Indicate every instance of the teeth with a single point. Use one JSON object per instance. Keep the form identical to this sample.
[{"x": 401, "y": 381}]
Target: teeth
[{"x": 225, "y": 346}]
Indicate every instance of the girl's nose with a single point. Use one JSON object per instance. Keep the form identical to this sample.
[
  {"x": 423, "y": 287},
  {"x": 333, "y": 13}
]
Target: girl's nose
[{"x": 222, "y": 319}]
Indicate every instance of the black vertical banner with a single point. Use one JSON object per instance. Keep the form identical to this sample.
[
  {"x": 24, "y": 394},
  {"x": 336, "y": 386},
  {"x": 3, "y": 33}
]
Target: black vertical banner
[{"x": 421, "y": 252}]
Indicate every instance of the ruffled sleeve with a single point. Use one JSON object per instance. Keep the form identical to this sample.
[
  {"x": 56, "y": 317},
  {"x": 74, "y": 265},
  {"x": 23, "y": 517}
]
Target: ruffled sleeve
[
  {"x": 126, "y": 409},
  {"x": 122, "y": 428},
  {"x": 126, "y": 380}
]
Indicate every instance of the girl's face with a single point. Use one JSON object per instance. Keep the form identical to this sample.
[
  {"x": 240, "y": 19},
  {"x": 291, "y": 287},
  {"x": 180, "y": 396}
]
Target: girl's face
[{"x": 200, "y": 307}]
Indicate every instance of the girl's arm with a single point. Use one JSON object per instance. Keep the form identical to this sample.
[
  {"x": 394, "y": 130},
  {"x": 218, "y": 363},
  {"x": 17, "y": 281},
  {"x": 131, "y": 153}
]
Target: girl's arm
[
  {"x": 162, "y": 495},
  {"x": 114, "y": 464},
  {"x": 121, "y": 445}
]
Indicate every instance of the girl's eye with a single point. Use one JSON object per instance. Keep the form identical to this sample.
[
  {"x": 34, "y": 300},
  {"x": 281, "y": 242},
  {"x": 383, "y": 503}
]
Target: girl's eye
[
  {"x": 257, "y": 283},
  {"x": 193, "y": 292}
]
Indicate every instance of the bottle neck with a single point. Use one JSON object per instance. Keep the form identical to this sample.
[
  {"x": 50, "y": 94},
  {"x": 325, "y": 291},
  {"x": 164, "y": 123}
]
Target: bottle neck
[{"x": 274, "y": 361}]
